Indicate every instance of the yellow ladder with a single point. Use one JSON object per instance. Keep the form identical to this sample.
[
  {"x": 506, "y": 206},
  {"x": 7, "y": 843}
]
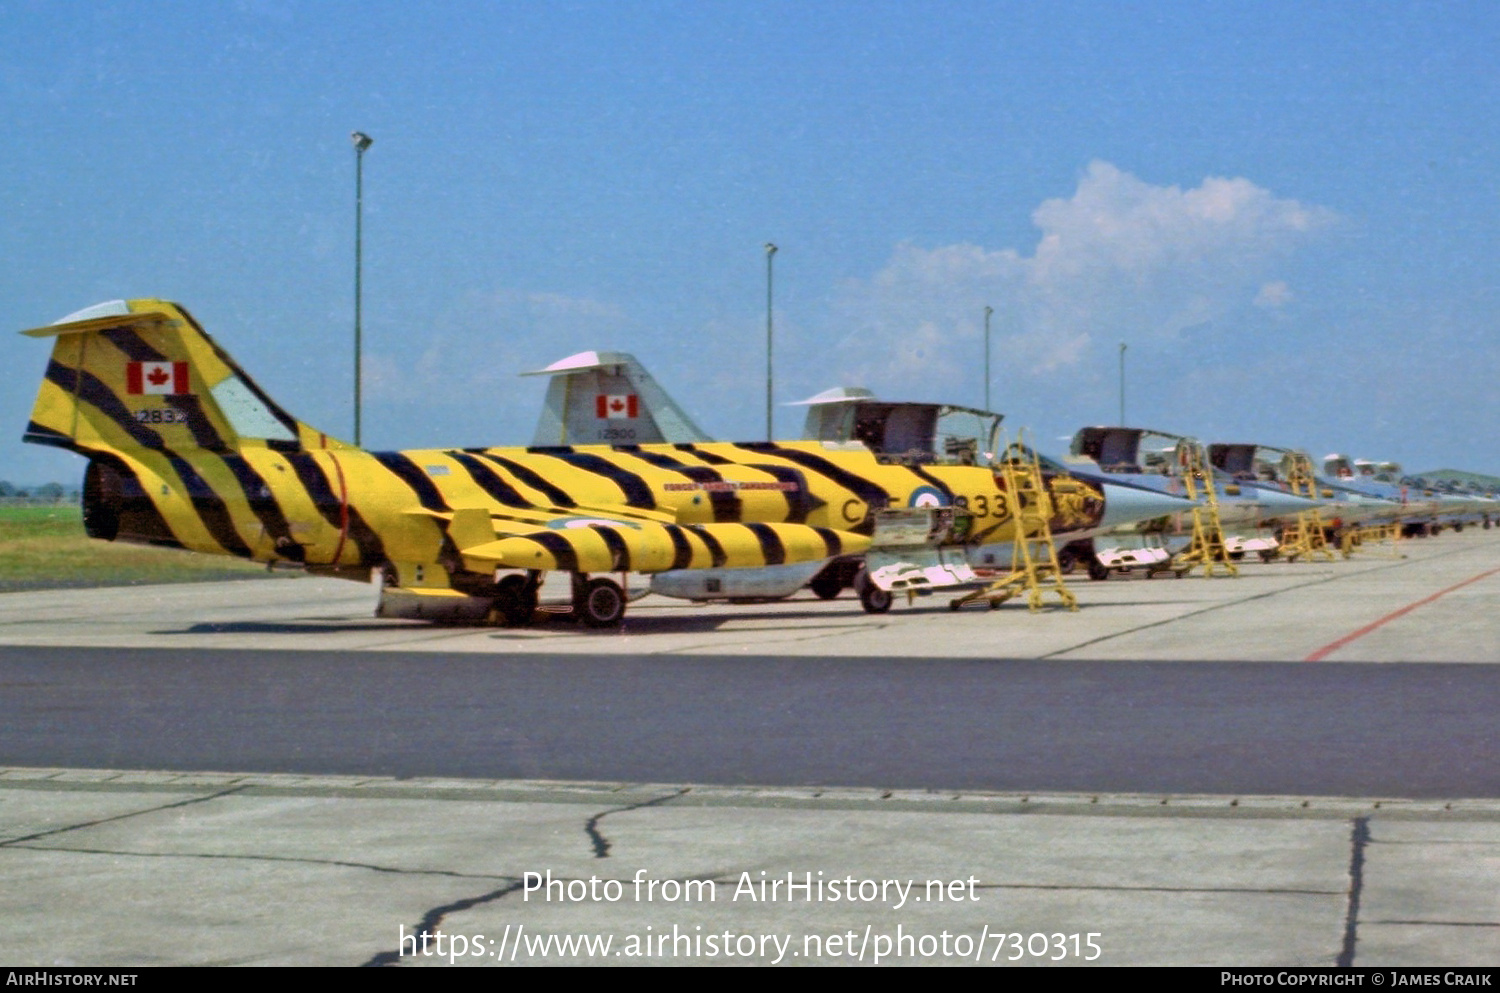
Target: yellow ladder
[
  {"x": 1207, "y": 547},
  {"x": 1033, "y": 561},
  {"x": 1307, "y": 538},
  {"x": 1359, "y": 538}
]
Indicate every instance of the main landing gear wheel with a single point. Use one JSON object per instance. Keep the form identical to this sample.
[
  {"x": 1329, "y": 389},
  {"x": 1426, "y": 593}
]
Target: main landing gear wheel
[
  {"x": 871, "y": 597},
  {"x": 1098, "y": 571},
  {"x": 827, "y": 584},
  {"x": 599, "y": 603},
  {"x": 517, "y": 600}
]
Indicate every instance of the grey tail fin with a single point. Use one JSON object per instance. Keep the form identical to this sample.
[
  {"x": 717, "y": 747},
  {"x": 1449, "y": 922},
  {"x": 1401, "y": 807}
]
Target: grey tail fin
[{"x": 608, "y": 398}]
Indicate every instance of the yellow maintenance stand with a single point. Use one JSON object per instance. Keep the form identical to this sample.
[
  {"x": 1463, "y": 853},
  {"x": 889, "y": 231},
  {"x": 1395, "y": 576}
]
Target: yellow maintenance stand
[
  {"x": 1207, "y": 547},
  {"x": 1033, "y": 560},
  {"x": 1307, "y": 538},
  {"x": 1359, "y": 538}
]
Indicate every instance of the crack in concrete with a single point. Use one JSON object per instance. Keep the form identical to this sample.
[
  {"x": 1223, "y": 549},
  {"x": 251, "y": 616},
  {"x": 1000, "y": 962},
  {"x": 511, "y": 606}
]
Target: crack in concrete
[
  {"x": 591, "y": 826},
  {"x": 431, "y": 920},
  {"x": 231, "y": 857},
  {"x": 1359, "y": 838},
  {"x": 120, "y": 817}
]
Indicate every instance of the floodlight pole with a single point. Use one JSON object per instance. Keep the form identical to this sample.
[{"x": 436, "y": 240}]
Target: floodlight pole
[
  {"x": 770, "y": 254},
  {"x": 1122, "y": 384},
  {"x": 987, "y": 312},
  {"x": 362, "y": 142}
]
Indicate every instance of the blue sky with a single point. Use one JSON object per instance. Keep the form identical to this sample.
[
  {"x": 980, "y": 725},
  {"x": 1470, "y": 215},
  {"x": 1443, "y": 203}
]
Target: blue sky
[{"x": 1286, "y": 210}]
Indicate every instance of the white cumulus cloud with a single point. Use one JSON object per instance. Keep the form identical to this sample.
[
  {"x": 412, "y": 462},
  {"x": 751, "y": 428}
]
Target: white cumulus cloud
[
  {"x": 1274, "y": 294},
  {"x": 1121, "y": 259}
]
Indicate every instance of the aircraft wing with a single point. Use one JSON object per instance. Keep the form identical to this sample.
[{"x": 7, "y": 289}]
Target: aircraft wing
[{"x": 613, "y": 540}]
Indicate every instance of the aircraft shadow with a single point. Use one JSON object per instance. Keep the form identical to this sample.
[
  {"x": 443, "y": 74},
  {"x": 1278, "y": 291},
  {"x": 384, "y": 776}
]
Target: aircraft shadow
[
  {"x": 645, "y": 623},
  {"x": 642, "y": 622}
]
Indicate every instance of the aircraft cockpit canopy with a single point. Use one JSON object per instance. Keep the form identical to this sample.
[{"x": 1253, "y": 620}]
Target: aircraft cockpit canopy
[
  {"x": 1134, "y": 450},
  {"x": 1238, "y": 461},
  {"x": 1114, "y": 449},
  {"x": 1259, "y": 463},
  {"x": 903, "y": 432},
  {"x": 1338, "y": 466}
]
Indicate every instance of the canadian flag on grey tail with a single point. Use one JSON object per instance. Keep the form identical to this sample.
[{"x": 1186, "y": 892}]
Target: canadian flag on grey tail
[
  {"x": 613, "y": 405},
  {"x": 156, "y": 378}
]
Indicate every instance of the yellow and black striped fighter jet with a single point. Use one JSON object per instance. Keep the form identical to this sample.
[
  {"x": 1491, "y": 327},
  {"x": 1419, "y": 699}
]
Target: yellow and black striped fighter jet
[{"x": 185, "y": 450}]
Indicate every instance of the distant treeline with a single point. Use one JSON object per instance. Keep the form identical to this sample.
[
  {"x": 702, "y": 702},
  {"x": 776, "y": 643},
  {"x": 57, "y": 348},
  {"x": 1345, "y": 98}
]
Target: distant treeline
[{"x": 44, "y": 494}]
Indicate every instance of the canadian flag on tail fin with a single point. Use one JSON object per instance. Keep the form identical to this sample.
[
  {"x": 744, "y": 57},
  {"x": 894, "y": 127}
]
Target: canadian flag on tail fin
[
  {"x": 611, "y": 405},
  {"x": 156, "y": 378}
]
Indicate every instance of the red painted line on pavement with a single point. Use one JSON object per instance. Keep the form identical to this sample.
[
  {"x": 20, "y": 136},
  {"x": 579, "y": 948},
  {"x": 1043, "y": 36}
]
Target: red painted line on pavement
[{"x": 1334, "y": 646}]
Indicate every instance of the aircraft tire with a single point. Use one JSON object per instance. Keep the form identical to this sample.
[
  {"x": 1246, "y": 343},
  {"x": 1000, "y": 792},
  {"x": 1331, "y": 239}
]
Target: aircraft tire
[
  {"x": 1098, "y": 571},
  {"x": 1066, "y": 562},
  {"x": 1268, "y": 556},
  {"x": 516, "y": 600},
  {"x": 827, "y": 585},
  {"x": 600, "y": 604},
  {"x": 871, "y": 597}
]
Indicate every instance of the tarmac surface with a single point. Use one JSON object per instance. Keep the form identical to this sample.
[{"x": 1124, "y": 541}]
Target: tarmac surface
[{"x": 262, "y": 863}]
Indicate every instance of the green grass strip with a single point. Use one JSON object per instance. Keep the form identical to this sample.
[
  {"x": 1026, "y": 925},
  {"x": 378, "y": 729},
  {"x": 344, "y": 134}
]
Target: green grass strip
[{"x": 43, "y": 548}]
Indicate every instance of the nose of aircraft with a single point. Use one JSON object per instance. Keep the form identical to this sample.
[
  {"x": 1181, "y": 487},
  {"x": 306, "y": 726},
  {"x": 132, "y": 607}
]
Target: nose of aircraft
[{"x": 1128, "y": 504}]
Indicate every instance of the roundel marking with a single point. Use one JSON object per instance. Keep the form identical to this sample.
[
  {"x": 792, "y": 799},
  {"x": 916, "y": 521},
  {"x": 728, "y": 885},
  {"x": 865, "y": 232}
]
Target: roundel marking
[
  {"x": 927, "y": 496},
  {"x": 571, "y": 523}
]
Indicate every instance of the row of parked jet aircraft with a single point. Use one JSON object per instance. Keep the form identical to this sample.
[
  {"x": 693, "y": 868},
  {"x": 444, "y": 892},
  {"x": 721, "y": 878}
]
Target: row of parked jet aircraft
[{"x": 185, "y": 450}]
